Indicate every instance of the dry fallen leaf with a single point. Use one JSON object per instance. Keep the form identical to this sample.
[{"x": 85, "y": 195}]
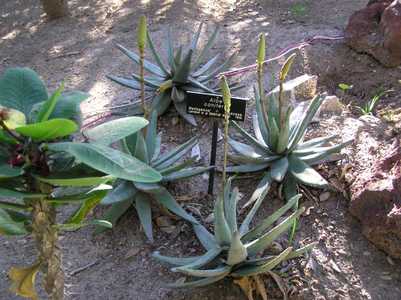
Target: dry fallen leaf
[
  {"x": 23, "y": 281},
  {"x": 246, "y": 286},
  {"x": 260, "y": 287}
]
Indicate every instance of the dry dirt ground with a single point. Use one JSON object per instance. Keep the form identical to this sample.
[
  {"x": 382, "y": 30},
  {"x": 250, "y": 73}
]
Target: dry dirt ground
[{"x": 80, "y": 50}]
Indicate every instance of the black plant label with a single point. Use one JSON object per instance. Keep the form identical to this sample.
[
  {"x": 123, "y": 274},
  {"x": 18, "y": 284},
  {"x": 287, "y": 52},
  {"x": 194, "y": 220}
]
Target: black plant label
[{"x": 212, "y": 105}]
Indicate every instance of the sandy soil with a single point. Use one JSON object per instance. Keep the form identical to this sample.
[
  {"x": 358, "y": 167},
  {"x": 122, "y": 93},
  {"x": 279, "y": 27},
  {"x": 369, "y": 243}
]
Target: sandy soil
[{"x": 80, "y": 50}]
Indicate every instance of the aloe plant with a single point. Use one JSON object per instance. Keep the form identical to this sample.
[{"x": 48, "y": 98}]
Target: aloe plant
[
  {"x": 235, "y": 250},
  {"x": 183, "y": 72},
  {"x": 146, "y": 146},
  {"x": 41, "y": 169},
  {"x": 278, "y": 148}
]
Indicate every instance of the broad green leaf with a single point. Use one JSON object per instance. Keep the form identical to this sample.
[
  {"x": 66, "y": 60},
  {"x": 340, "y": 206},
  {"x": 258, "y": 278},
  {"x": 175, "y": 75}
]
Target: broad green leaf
[
  {"x": 6, "y": 193},
  {"x": 86, "y": 207},
  {"x": 21, "y": 88},
  {"x": 142, "y": 205},
  {"x": 8, "y": 226},
  {"x": 48, "y": 106},
  {"x": 48, "y": 130},
  {"x": 12, "y": 118},
  {"x": 23, "y": 281},
  {"x": 305, "y": 174},
  {"x": 109, "y": 161},
  {"x": 75, "y": 226},
  {"x": 66, "y": 180},
  {"x": 7, "y": 138},
  {"x": 7, "y": 171},
  {"x": 115, "y": 130}
]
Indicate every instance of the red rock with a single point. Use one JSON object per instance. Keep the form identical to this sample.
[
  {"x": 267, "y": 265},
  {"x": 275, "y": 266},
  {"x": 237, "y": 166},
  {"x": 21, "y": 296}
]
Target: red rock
[
  {"x": 376, "y": 202},
  {"x": 376, "y": 30}
]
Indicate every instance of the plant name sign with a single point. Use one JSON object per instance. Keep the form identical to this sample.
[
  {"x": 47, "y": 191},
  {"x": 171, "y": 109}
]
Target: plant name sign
[{"x": 212, "y": 105}]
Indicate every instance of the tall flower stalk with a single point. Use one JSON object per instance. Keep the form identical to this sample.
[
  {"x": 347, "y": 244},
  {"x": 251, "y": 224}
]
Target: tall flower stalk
[
  {"x": 227, "y": 109},
  {"x": 141, "y": 39}
]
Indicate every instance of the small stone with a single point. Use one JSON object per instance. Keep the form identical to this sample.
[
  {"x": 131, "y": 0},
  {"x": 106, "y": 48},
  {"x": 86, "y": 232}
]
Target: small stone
[
  {"x": 331, "y": 105},
  {"x": 324, "y": 196}
]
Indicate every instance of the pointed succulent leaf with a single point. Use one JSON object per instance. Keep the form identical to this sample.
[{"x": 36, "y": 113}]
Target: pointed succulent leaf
[
  {"x": 221, "y": 228},
  {"x": 283, "y": 138},
  {"x": 204, "y": 52},
  {"x": 109, "y": 161},
  {"x": 302, "y": 251},
  {"x": 305, "y": 120},
  {"x": 237, "y": 252},
  {"x": 270, "y": 265},
  {"x": 14, "y": 206},
  {"x": 260, "y": 192},
  {"x": 224, "y": 66},
  {"x": 211, "y": 273},
  {"x": 262, "y": 118},
  {"x": 246, "y": 168},
  {"x": 135, "y": 57},
  {"x": 198, "y": 283},
  {"x": 142, "y": 205},
  {"x": 129, "y": 83},
  {"x": 177, "y": 57},
  {"x": 151, "y": 133},
  {"x": 266, "y": 223},
  {"x": 206, "y": 66},
  {"x": 21, "y": 89},
  {"x": 257, "y": 131},
  {"x": 161, "y": 103},
  {"x": 268, "y": 238},
  {"x": 316, "y": 142},
  {"x": 186, "y": 173},
  {"x": 168, "y": 158},
  {"x": 230, "y": 208},
  {"x": 170, "y": 51},
  {"x": 48, "y": 130},
  {"x": 286, "y": 67},
  {"x": 305, "y": 174},
  {"x": 325, "y": 153},
  {"x": 156, "y": 55},
  {"x": 209, "y": 256},
  {"x": 279, "y": 169},
  {"x": 49, "y": 105},
  {"x": 243, "y": 149},
  {"x": 123, "y": 191},
  {"x": 149, "y": 81},
  {"x": 200, "y": 85},
  {"x": 290, "y": 188},
  {"x": 207, "y": 239},
  {"x": 258, "y": 146},
  {"x": 195, "y": 39},
  {"x": 175, "y": 261},
  {"x": 115, "y": 130},
  {"x": 177, "y": 95},
  {"x": 177, "y": 167},
  {"x": 141, "y": 151},
  {"x": 165, "y": 199},
  {"x": 114, "y": 213},
  {"x": 181, "y": 108}
]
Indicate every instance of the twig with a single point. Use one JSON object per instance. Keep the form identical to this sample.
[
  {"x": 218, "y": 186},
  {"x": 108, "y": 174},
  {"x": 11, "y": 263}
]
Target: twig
[
  {"x": 81, "y": 269},
  {"x": 306, "y": 42}
]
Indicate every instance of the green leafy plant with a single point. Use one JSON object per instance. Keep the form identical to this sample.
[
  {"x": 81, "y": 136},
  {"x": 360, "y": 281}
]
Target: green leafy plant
[
  {"x": 368, "y": 108},
  {"x": 278, "y": 148},
  {"x": 41, "y": 170},
  {"x": 236, "y": 251},
  {"x": 183, "y": 72},
  {"x": 345, "y": 87},
  {"x": 145, "y": 146}
]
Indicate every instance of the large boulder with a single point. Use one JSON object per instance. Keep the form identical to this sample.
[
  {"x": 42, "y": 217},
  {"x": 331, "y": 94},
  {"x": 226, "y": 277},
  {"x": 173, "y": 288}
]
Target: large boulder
[
  {"x": 376, "y": 184},
  {"x": 376, "y": 30}
]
